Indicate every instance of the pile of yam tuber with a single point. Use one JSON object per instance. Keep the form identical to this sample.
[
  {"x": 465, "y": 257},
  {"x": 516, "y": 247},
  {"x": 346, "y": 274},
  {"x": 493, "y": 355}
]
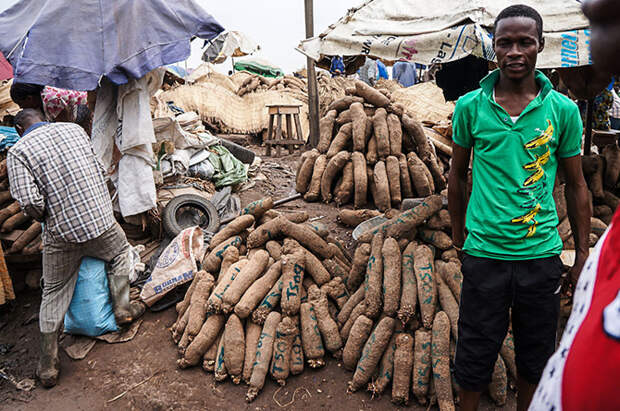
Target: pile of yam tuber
[
  {"x": 400, "y": 322},
  {"x": 266, "y": 300},
  {"x": 369, "y": 152},
  {"x": 259, "y": 83},
  {"x": 12, "y": 218}
]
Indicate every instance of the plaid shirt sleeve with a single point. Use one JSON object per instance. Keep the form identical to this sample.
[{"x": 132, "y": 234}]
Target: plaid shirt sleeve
[{"x": 24, "y": 189}]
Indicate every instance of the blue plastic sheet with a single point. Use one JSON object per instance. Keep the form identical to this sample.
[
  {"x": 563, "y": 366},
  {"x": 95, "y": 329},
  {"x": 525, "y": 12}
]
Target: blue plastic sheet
[
  {"x": 72, "y": 44},
  {"x": 90, "y": 312},
  {"x": 8, "y": 137}
]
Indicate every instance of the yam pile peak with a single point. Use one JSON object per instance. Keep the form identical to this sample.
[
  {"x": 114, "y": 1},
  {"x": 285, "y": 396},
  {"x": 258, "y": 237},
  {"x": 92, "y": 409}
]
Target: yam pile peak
[{"x": 360, "y": 157}]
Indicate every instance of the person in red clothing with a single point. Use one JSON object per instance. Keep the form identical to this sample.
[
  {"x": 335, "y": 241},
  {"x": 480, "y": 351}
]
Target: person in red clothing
[{"x": 584, "y": 373}]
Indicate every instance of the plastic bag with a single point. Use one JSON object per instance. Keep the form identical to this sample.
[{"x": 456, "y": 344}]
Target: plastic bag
[
  {"x": 91, "y": 312},
  {"x": 176, "y": 265},
  {"x": 228, "y": 170}
]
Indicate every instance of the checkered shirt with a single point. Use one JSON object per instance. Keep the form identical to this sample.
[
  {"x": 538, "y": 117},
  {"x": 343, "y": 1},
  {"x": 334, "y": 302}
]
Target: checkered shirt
[{"x": 55, "y": 177}]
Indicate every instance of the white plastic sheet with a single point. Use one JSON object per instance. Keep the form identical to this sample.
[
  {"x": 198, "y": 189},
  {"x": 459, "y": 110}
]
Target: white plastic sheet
[{"x": 447, "y": 30}]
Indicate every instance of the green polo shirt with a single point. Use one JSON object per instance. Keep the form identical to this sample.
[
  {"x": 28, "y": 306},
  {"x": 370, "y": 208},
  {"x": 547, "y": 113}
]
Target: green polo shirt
[{"x": 511, "y": 213}]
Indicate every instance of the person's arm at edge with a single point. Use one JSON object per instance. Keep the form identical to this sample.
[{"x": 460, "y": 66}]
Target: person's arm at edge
[
  {"x": 24, "y": 188},
  {"x": 579, "y": 212},
  {"x": 457, "y": 192}
]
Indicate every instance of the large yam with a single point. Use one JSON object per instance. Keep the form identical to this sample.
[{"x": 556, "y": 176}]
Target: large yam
[
  {"x": 314, "y": 188},
  {"x": 419, "y": 175},
  {"x": 403, "y": 364},
  {"x": 344, "y": 191},
  {"x": 450, "y": 273},
  {"x": 282, "y": 347},
  {"x": 257, "y": 208},
  {"x": 358, "y": 117},
  {"x": 440, "y": 354},
  {"x": 213, "y": 261},
  {"x": 392, "y": 168},
  {"x": 263, "y": 355},
  {"x": 358, "y": 268},
  {"x": 371, "y": 151},
  {"x": 499, "y": 383},
  {"x": 252, "y": 335},
  {"x": 266, "y": 232},
  {"x": 347, "y": 308},
  {"x": 9, "y": 211},
  {"x": 268, "y": 303},
  {"x": 382, "y": 187},
  {"x": 327, "y": 325},
  {"x": 341, "y": 141},
  {"x": 379, "y": 124},
  {"x": 333, "y": 167},
  {"x": 371, "y": 95},
  {"x": 374, "y": 278},
  {"x": 311, "y": 336},
  {"x": 234, "y": 354},
  {"x": 198, "y": 306},
  {"x": 360, "y": 179},
  {"x": 422, "y": 365},
  {"x": 207, "y": 335},
  {"x": 344, "y": 103},
  {"x": 406, "y": 222},
  {"x": 304, "y": 175},
  {"x": 416, "y": 131},
  {"x": 214, "y": 303},
  {"x": 611, "y": 154},
  {"x": 448, "y": 305},
  {"x": 292, "y": 277},
  {"x": 14, "y": 221},
  {"x": 371, "y": 353},
  {"x": 396, "y": 134},
  {"x": 355, "y": 343},
  {"x": 386, "y": 368},
  {"x": 233, "y": 228},
  {"x": 409, "y": 288},
  {"x": 326, "y": 131},
  {"x": 308, "y": 238},
  {"x": 297, "y": 352},
  {"x": 391, "y": 277},
  {"x": 436, "y": 238},
  {"x": 427, "y": 289},
  {"x": 596, "y": 179},
  {"x": 353, "y": 218},
  {"x": 258, "y": 290},
  {"x": 27, "y": 236},
  {"x": 246, "y": 277},
  {"x": 436, "y": 170}
]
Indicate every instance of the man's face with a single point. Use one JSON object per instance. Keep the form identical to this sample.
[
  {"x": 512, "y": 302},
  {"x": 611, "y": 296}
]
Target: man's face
[{"x": 517, "y": 45}]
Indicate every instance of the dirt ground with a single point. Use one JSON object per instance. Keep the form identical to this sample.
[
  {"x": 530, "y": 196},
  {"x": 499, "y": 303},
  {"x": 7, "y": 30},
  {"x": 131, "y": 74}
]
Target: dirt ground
[{"x": 144, "y": 370}]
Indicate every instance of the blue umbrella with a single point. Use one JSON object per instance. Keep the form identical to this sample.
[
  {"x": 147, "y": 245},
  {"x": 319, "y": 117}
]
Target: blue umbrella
[{"x": 72, "y": 44}]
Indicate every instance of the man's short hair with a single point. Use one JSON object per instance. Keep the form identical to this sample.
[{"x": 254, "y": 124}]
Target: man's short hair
[
  {"x": 28, "y": 115},
  {"x": 521, "y": 10},
  {"x": 21, "y": 91}
]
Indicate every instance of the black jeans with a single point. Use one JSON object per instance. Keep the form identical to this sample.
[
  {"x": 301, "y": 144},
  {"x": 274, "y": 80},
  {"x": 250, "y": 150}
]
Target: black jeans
[{"x": 491, "y": 288}]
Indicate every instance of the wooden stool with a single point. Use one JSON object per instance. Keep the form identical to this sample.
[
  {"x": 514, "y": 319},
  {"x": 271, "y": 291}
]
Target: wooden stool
[{"x": 291, "y": 112}]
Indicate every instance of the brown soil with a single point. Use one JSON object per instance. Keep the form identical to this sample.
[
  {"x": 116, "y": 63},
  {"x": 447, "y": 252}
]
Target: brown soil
[{"x": 110, "y": 370}]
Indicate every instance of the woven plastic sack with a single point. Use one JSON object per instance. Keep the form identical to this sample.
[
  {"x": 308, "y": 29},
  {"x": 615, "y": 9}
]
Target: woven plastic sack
[
  {"x": 90, "y": 312},
  {"x": 176, "y": 265}
]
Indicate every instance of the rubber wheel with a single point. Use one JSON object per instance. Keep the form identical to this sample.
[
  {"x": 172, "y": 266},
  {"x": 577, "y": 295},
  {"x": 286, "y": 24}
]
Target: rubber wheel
[
  {"x": 189, "y": 210},
  {"x": 241, "y": 153}
]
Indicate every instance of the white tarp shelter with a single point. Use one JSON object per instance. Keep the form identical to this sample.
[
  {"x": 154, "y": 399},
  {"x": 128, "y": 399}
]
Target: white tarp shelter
[{"x": 439, "y": 31}]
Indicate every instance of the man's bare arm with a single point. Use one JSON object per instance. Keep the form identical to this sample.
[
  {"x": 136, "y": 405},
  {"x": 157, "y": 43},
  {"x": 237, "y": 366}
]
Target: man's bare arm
[
  {"x": 457, "y": 192},
  {"x": 579, "y": 211}
]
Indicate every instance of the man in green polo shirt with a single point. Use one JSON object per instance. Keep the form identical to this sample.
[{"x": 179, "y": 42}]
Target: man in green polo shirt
[{"x": 519, "y": 130}]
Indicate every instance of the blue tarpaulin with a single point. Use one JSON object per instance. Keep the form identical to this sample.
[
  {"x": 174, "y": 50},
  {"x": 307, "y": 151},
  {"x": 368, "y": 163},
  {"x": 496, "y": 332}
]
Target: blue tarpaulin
[{"x": 73, "y": 44}]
